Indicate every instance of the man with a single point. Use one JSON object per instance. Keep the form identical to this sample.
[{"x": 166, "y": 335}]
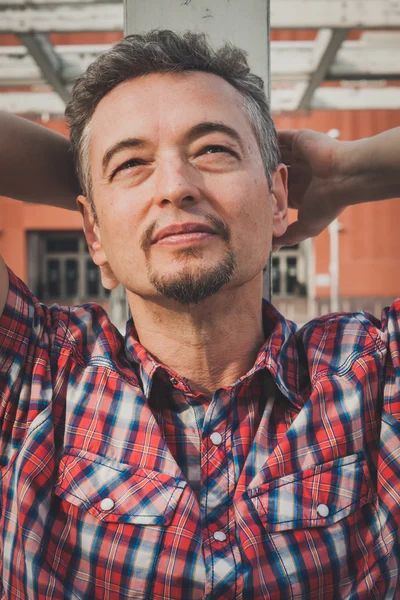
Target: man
[{"x": 215, "y": 452}]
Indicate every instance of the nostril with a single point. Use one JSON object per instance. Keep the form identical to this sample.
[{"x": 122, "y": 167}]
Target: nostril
[{"x": 176, "y": 200}]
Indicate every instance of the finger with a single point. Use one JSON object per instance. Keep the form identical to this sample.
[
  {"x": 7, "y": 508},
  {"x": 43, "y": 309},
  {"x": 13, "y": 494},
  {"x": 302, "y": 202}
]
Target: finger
[
  {"x": 296, "y": 232},
  {"x": 289, "y": 157},
  {"x": 286, "y": 137},
  {"x": 286, "y": 155}
]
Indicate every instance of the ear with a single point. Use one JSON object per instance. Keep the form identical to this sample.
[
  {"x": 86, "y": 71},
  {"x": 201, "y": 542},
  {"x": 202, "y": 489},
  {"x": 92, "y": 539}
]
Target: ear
[
  {"x": 93, "y": 238},
  {"x": 279, "y": 196}
]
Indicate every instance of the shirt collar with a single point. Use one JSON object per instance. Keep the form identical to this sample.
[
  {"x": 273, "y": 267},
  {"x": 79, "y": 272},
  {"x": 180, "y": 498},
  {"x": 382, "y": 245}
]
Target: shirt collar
[{"x": 279, "y": 354}]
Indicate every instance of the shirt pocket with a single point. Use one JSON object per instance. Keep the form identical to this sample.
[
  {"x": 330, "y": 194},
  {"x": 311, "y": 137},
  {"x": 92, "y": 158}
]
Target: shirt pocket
[
  {"x": 116, "y": 492},
  {"x": 316, "y": 497}
]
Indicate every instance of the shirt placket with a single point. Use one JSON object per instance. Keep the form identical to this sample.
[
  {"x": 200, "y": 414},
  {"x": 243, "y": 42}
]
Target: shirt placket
[{"x": 221, "y": 553}]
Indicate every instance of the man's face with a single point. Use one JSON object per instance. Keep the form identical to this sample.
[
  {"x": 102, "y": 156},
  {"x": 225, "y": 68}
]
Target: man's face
[{"x": 183, "y": 203}]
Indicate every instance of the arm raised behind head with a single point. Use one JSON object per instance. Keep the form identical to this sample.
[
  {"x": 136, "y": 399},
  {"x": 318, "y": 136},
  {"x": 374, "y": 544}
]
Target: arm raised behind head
[
  {"x": 3, "y": 285},
  {"x": 327, "y": 175},
  {"x": 35, "y": 166}
]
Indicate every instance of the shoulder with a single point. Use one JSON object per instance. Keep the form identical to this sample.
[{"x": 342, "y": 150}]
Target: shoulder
[
  {"x": 89, "y": 333},
  {"x": 334, "y": 342},
  {"x": 27, "y": 327}
]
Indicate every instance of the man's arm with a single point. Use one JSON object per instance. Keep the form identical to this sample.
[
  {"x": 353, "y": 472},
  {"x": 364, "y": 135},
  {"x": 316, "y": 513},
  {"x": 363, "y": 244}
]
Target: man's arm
[
  {"x": 326, "y": 175},
  {"x": 35, "y": 164},
  {"x": 3, "y": 285}
]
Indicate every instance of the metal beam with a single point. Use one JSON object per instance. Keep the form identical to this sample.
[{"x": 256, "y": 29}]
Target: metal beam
[
  {"x": 42, "y": 52},
  {"x": 286, "y": 99},
  {"x": 17, "y": 66},
  {"x": 363, "y": 76},
  {"x": 374, "y": 57},
  {"x": 52, "y": 3},
  {"x": 335, "y": 40},
  {"x": 349, "y": 14},
  {"x": 105, "y": 16},
  {"x": 375, "y": 53},
  {"x": 92, "y": 15},
  {"x": 283, "y": 99}
]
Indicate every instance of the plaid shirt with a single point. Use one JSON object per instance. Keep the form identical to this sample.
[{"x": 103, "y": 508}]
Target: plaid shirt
[{"x": 117, "y": 481}]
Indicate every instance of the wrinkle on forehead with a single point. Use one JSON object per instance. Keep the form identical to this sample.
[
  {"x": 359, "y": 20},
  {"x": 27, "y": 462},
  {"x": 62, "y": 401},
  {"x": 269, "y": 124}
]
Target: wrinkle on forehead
[{"x": 151, "y": 101}]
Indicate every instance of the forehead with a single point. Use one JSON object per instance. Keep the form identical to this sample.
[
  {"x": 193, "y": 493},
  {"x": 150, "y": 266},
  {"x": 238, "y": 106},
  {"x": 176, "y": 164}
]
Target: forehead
[{"x": 160, "y": 105}]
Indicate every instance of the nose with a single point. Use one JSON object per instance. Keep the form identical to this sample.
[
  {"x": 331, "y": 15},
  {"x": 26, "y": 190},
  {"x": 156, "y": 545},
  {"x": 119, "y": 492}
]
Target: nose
[{"x": 176, "y": 183}]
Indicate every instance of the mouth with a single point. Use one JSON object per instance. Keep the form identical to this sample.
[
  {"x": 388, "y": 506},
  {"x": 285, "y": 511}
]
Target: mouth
[{"x": 183, "y": 233}]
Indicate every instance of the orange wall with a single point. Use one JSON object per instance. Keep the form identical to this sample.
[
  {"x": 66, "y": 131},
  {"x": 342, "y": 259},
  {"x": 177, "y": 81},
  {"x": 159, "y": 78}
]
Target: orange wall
[
  {"x": 369, "y": 243},
  {"x": 17, "y": 218}
]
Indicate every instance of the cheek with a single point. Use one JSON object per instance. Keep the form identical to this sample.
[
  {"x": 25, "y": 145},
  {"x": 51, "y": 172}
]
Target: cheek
[
  {"x": 119, "y": 234},
  {"x": 253, "y": 220}
]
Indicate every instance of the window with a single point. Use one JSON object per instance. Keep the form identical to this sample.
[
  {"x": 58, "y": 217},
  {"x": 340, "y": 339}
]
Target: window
[
  {"x": 61, "y": 270},
  {"x": 288, "y": 272}
]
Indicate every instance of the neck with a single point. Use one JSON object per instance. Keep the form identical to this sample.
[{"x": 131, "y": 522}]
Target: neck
[{"x": 212, "y": 344}]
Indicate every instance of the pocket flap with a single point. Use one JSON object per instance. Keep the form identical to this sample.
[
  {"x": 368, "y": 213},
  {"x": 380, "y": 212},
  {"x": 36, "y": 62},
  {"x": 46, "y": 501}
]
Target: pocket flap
[
  {"x": 116, "y": 492},
  {"x": 315, "y": 497}
]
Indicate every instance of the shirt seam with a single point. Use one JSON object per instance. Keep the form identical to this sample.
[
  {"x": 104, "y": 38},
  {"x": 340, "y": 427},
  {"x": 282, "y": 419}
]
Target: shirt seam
[
  {"x": 343, "y": 370},
  {"x": 298, "y": 477},
  {"x": 100, "y": 462},
  {"x": 92, "y": 504},
  {"x": 312, "y": 518},
  {"x": 230, "y": 501}
]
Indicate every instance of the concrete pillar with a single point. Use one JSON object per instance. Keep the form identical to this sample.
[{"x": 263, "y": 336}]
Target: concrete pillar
[{"x": 244, "y": 23}]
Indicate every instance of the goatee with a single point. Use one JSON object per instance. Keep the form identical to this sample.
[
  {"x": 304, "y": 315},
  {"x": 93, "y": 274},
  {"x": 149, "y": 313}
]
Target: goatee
[
  {"x": 195, "y": 285},
  {"x": 192, "y": 285}
]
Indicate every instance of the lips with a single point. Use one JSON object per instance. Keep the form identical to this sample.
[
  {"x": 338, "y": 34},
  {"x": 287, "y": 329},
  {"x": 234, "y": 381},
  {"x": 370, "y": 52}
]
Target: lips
[{"x": 182, "y": 228}]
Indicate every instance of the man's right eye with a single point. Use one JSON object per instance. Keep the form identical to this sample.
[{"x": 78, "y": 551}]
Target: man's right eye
[{"x": 129, "y": 164}]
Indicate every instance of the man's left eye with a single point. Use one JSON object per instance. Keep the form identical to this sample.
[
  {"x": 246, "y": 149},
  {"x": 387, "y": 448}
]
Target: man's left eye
[{"x": 216, "y": 149}]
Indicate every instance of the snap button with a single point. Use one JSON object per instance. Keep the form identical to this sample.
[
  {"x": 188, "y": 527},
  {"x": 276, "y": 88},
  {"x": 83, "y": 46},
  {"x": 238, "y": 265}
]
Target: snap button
[
  {"x": 323, "y": 510},
  {"x": 107, "y": 504},
  {"x": 219, "y": 536},
  {"x": 173, "y": 380},
  {"x": 216, "y": 438}
]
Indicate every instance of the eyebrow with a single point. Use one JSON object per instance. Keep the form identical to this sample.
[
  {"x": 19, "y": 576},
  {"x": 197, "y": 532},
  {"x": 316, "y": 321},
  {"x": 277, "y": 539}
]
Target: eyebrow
[
  {"x": 194, "y": 133},
  {"x": 209, "y": 127},
  {"x": 121, "y": 145}
]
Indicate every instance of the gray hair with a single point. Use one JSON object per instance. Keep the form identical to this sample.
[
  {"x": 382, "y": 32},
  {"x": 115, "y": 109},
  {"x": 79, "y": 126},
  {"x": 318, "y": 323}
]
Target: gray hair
[{"x": 163, "y": 51}]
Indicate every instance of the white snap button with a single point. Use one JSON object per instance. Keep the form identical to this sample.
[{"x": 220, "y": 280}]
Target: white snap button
[
  {"x": 216, "y": 438},
  {"x": 323, "y": 510},
  {"x": 173, "y": 380},
  {"x": 219, "y": 536},
  {"x": 107, "y": 504}
]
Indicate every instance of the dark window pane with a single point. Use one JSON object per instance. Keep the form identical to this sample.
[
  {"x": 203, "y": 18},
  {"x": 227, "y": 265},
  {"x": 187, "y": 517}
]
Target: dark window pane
[
  {"x": 92, "y": 279},
  {"x": 276, "y": 276},
  {"x": 62, "y": 244},
  {"x": 53, "y": 278},
  {"x": 71, "y": 277},
  {"x": 291, "y": 275}
]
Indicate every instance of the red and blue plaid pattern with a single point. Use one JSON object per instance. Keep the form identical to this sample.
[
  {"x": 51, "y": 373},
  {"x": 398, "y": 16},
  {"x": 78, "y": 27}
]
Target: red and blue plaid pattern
[{"x": 113, "y": 485}]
